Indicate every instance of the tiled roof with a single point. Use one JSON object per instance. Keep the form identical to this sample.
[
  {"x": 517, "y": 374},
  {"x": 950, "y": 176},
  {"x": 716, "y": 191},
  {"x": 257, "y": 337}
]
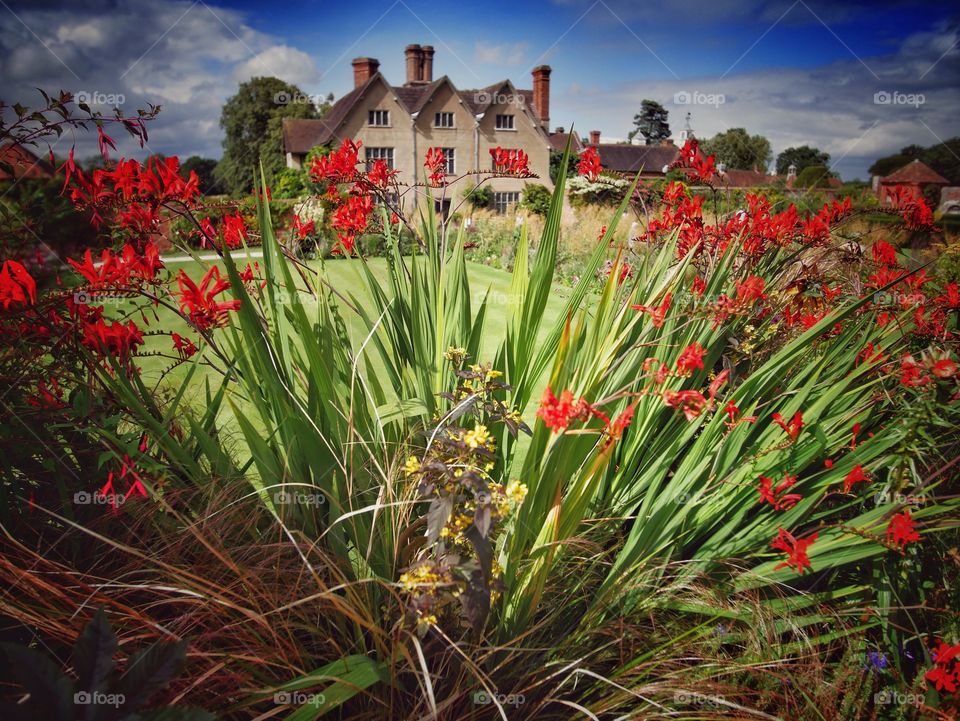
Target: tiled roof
[
  {"x": 915, "y": 173},
  {"x": 734, "y": 178},
  {"x": 631, "y": 158},
  {"x": 25, "y": 163},
  {"x": 558, "y": 141}
]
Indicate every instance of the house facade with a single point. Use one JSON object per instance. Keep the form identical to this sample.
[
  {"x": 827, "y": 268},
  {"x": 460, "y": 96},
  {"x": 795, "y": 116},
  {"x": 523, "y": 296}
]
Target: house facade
[
  {"x": 915, "y": 176},
  {"x": 400, "y": 124}
]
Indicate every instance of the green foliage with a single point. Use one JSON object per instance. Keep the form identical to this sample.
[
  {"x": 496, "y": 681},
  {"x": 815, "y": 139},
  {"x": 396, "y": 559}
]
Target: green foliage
[
  {"x": 802, "y": 157},
  {"x": 556, "y": 160},
  {"x": 738, "y": 149},
  {"x": 290, "y": 183},
  {"x": 479, "y": 197},
  {"x": 814, "y": 176},
  {"x": 204, "y": 168},
  {"x": 252, "y": 121},
  {"x": 651, "y": 122},
  {"x": 942, "y": 157},
  {"x": 98, "y": 692},
  {"x": 536, "y": 198}
]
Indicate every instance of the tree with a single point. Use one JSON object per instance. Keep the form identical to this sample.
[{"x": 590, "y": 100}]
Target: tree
[
  {"x": 738, "y": 149},
  {"x": 556, "y": 157},
  {"x": 651, "y": 122},
  {"x": 802, "y": 157},
  {"x": 204, "y": 168},
  {"x": 252, "y": 123},
  {"x": 943, "y": 157},
  {"x": 814, "y": 176}
]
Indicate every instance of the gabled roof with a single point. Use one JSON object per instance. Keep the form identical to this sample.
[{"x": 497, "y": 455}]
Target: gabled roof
[
  {"x": 301, "y": 135},
  {"x": 915, "y": 173},
  {"x": 558, "y": 141},
  {"x": 631, "y": 158},
  {"x": 734, "y": 178}
]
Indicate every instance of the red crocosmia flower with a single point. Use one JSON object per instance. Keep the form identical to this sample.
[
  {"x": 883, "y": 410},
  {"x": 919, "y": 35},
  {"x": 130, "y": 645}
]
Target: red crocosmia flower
[
  {"x": 870, "y": 354},
  {"x": 339, "y": 166},
  {"x": 946, "y": 672},
  {"x": 199, "y": 302},
  {"x": 900, "y": 530},
  {"x": 302, "y": 229},
  {"x": 380, "y": 175},
  {"x": 699, "y": 286},
  {"x": 775, "y": 496},
  {"x": 17, "y": 287},
  {"x": 589, "y": 164},
  {"x": 750, "y": 290},
  {"x": 828, "y": 463},
  {"x": 691, "y": 358},
  {"x": 796, "y": 550},
  {"x": 119, "y": 340},
  {"x": 620, "y": 424},
  {"x": 910, "y": 373},
  {"x": 234, "y": 230},
  {"x": 950, "y": 297},
  {"x": 699, "y": 169},
  {"x": 884, "y": 253},
  {"x": 658, "y": 313},
  {"x": 557, "y": 413},
  {"x": 856, "y": 475},
  {"x": 184, "y": 346},
  {"x": 509, "y": 162},
  {"x": 436, "y": 163},
  {"x": 793, "y": 427},
  {"x": 350, "y": 220},
  {"x": 914, "y": 210},
  {"x": 691, "y": 402},
  {"x": 944, "y": 368},
  {"x": 855, "y": 432}
]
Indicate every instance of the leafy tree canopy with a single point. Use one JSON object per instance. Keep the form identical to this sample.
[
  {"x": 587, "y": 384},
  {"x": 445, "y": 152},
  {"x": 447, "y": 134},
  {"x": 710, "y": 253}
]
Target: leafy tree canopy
[
  {"x": 943, "y": 157},
  {"x": 252, "y": 123},
  {"x": 802, "y": 157},
  {"x": 651, "y": 122},
  {"x": 736, "y": 148}
]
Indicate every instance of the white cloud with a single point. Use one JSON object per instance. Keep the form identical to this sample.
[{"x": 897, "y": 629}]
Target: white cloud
[
  {"x": 282, "y": 61},
  {"x": 505, "y": 54}
]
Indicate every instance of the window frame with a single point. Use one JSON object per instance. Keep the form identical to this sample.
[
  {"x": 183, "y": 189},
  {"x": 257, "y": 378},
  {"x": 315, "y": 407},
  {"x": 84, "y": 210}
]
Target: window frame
[
  {"x": 513, "y": 123},
  {"x": 388, "y": 151},
  {"x": 374, "y": 113},
  {"x": 444, "y": 114}
]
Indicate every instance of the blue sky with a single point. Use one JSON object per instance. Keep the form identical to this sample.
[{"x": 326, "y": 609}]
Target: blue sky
[{"x": 796, "y": 71}]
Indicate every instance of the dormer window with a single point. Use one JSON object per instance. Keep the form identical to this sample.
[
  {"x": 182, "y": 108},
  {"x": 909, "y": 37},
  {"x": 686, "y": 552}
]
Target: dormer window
[
  {"x": 443, "y": 120},
  {"x": 505, "y": 122},
  {"x": 378, "y": 118}
]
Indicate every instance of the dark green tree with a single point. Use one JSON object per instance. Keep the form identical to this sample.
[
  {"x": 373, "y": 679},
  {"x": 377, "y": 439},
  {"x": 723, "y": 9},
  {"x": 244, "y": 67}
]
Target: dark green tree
[
  {"x": 803, "y": 157},
  {"x": 651, "y": 122},
  {"x": 814, "y": 176},
  {"x": 252, "y": 123},
  {"x": 736, "y": 148}
]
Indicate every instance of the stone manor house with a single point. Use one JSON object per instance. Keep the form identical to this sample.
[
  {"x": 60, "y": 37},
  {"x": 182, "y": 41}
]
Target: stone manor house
[{"x": 400, "y": 123}]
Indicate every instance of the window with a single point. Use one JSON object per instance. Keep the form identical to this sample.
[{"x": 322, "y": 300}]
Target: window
[
  {"x": 502, "y": 202},
  {"x": 385, "y": 154},
  {"x": 449, "y": 157},
  {"x": 379, "y": 118},
  {"x": 443, "y": 120},
  {"x": 505, "y": 122}
]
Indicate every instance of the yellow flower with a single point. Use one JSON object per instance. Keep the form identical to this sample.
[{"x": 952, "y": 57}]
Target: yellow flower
[
  {"x": 412, "y": 465},
  {"x": 516, "y": 492},
  {"x": 455, "y": 355},
  {"x": 478, "y": 437}
]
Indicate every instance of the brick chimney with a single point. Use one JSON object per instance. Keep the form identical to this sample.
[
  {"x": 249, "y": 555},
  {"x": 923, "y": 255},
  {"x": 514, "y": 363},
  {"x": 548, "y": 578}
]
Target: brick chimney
[
  {"x": 414, "y": 56},
  {"x": 426, "y": 66},
  {"x": 363, "y": 70},
  {"x": 541, "y": 93},
  {"x": 594, "y": 137}
]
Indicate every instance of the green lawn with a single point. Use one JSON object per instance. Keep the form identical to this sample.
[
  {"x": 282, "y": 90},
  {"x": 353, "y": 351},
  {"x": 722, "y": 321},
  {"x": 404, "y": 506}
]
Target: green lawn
[{"x": 157, "y": 359}]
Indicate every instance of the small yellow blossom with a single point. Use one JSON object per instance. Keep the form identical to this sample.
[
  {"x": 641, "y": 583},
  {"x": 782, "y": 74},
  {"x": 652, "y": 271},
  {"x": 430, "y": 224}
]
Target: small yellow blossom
[
  {"x": 478, "y": 437},
  {"x": 412, "y": 465}
]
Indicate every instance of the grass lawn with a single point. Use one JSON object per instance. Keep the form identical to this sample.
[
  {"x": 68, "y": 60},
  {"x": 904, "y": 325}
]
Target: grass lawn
[{"x": 157, "y": 359}]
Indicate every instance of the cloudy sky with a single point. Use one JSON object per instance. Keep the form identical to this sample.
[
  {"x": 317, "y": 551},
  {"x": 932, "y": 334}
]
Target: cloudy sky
[{"x": 859, "y": 80}]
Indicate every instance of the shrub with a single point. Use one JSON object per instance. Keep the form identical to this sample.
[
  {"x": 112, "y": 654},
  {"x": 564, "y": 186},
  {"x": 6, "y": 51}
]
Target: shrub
[{"x": 536, "y": 198}]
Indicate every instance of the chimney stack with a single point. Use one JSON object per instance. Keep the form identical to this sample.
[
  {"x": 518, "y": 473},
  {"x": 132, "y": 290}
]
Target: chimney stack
[
  {"x": 594, "y": 137},
  {"x": 426, "y": 72},
  {"x": 363, "y": 70},
  {"x": 541, "y": 93},
  {"x": 414, "y": 56}
]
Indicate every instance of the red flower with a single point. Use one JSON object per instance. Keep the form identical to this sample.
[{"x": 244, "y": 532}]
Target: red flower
[
  {"x": 117, "y": 339},
  {"x": 699, "y": 169},
  {"x": 339, "y": 166},
  {"x": 199, "y": 301},
  {"x": 856, "y": 475},
  {"x": 775, "y": 496},
  {"x": 900, "y": 530},
  {"x": 17, "y": 287},
  {"x": 380, "y": 175},
  {"x": 234, "y": 230},
  {"x": 884, "y": 253},
  {"x": 351, "y": 219},
  {"x": 793, "y": 427},
  {"x": 750, "y": 290},
  {"x": 509, "y": 162},
  {"x": 589, "y": 164},
  {"x": 436, "y": 163},
  {"x": 658, "y": 313},
  {"x": 698, "y": 287},
  {"x": 910, "y": 375},
  {"x": 828, "y": 463},
  {"x": 796, "y": 550},
  {"x": 692, "y": 403},
  {"x": 691, "y": 358},
  {"x": 854, "y": 433},
  {"x": 184, "y": 346},
  {"x": 620, "y": 424},
  {"x": 946, "y": 673},
  {"x": 944, "y": 368},
  {"x": 557, "y": 413}
]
